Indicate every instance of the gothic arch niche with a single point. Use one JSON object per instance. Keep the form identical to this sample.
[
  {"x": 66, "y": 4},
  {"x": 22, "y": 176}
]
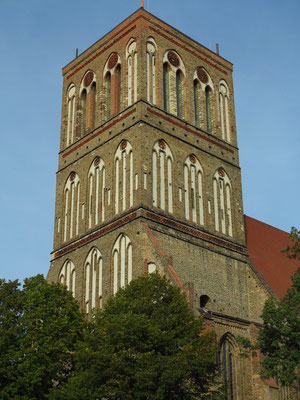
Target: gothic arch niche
[
  {"x": 203, "y": 89},
  {"x": 71, "y": 106},
  {"x": 152, "y": 268},
  {"x": 123, "y": 176},
  {"x": 224, "y": 109},
  {"x": 71, "y": 206},
  {"x": 132, "y": 62},
  {"x": 112, "y": 85},
  {"x": 67, "y": 276},
  {"x": 162, "y": 176},
  {"x": 232, "y": 368},
  {"x": 173, "y": 78},
  {"x": 222, "y": 202},
  {"x": 122, "y": 262},
  {"x": 88, "y": 102},
  {"x": 193, "y": 190},
  {"x": 96, "y": 192},
  {"x": 151, "y": 74},
  {"x": 93, "y": 272}
]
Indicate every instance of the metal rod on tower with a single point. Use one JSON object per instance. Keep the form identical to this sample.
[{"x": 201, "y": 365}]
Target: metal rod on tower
[{"x": 217, "y": 49}]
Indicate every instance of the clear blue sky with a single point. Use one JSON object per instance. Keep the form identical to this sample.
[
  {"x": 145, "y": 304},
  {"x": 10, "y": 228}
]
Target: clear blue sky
[{"x": 37, "y": 38}]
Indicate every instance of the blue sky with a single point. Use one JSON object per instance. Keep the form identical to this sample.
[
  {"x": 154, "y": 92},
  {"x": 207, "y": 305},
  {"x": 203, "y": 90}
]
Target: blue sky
[{"x": 37, "y": 38}]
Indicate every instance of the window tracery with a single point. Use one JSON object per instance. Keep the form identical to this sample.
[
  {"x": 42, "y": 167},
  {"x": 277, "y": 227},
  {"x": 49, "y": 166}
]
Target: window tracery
[
  {"x": 193, "y": 191},
  {"x": 122, "y": 262},
  {"x": 222, "y": 202},
  {"x": 123, "y": 176},
  {"x": 93, "y": 279},
  {"x": 71, "y": 206}
]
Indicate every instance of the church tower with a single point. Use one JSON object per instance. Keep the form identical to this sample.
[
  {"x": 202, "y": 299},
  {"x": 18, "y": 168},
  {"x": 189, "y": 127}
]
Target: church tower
[{"x": 149, "y": 180}]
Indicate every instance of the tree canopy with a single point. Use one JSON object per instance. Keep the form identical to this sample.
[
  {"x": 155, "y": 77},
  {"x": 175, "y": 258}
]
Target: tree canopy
[
  {"x": 279, "y": 340},
  {"x": 39, "y": 327},
  {"x": 145, "y": 344}
]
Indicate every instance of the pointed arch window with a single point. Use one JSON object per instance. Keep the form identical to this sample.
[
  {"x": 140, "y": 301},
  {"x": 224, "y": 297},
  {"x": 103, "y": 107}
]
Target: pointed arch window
[
  {"x": 88, "y": 102},
  {"x": 122, "y": 262},
  {"x": 222, "y": 202},
  {"x": 71, "y": 115},
  {"x": 71, "y": 206},
  {"x": 197, "y": 103},
  {"x": 67, "y": 276},
  {"x": 112, "y": 79},
  {"x": 224, "y": 110},
  {"x": 151, "y": 76},
  {"x": 203, "y": 84},
  {"x": 132, "y": 61},
  {"x": 193, "y": 190},
  {"x": 208, "y": 109},
  {"x": 123, "y": 176},
  {"x": 173, "y": 78},
  {"x": 96, "y": 192},
  {"x": 162, "y": 176},
  {"x": 93, "y": 280}
]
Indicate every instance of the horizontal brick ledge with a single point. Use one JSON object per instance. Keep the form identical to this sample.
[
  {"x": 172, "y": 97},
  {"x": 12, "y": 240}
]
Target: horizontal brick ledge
[
  {"x": 93, "y": 135},
  {"x": 186, "y": 128}
]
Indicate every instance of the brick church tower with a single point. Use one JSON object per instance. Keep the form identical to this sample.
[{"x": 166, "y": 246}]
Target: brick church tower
[{"x": 149, "y": 180}]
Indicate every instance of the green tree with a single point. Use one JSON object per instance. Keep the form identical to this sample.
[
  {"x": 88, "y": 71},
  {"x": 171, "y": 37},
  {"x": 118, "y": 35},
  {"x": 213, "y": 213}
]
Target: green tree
[
  {"x": 39, "y": 327},
  {"x": 279, "y": 341},
  {"x": 146, "y": 345}
]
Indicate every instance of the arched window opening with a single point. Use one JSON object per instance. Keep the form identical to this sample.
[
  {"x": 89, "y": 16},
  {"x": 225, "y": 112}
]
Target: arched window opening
[
  {"x": 132, "y": 61},
  {"x": 222, "y": 202},
  {"x": 204, "y": 301},
  {"x": 112, "y": 79},
  {"x": 71, "y": 115},
  {"x": 67, "y": 276},
  {"x": 173, "y": 76},
  {"x": 108, "y": 93},
  {"x": 151, "y": 77},
  {"x": 162, "y": 176},
  {"x": 96, "y": 192},
  {"x": 122, "y": 262},
  {"x": 123, "y": 177},
  {"x": 224, "y": 110},
  {"x": 193, "y": 190},
  {"x": 166, "y": 83},
  {"x": 88, "y": 102},
  {"x": 93, "y": 280},
  {"x": 71, "y": 206},
  {"x": 197, "y": 103},
  {"x": 229, "y": 365},
  {"x": 179, "y": 93},
  {"x": 208, "y": 109},
  {"x": 83, "y": 110}
]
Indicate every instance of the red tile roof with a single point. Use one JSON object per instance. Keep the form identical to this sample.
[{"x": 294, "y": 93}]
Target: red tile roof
[{"x": 264, "y": 244}]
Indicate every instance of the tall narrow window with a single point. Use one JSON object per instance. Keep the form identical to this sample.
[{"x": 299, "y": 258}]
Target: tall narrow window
[
  {"x": 93, "y": 280},
  {"x": 88, "y": 102},
  {"x": 224, "y": 110},
  {"x": 71, "y": 206},
  {"x": 71, "y": 115},
  {"x": 123, "y": 177},
  {"x": 173, "y": 77},
  {"x": 83, "y": 110},
  {"x": 132, "y": 60},
  {"x": 112, "y": 77},
  {"x": 197, "y": 103},
  {"x": 179, "y": 93},
  {"x": 122, "y": 262},
  {"x": 151, "y": 77},
  {"x": 162, "y": 176},
  {"x": 166, "y": 83},
  {"x": 208, "y": 109},
  {"x": 96, "y": 192},
  {"x": 193, "y": 191},
  {"x": 67, "y": 276},
  {"x": 222, "y": 202}
]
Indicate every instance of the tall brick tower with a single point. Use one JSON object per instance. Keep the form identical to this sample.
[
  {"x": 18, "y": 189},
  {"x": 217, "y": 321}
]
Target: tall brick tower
[{"x": 149, "y": 180}]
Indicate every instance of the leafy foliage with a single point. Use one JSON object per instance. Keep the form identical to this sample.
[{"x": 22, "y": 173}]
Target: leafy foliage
[
  {"x": 39, "y": 327},
  {"x": 146, "y": 344}
]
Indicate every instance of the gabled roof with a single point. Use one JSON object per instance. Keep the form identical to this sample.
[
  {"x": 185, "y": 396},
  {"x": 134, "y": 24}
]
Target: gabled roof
[{"x": 264, "y": 244}]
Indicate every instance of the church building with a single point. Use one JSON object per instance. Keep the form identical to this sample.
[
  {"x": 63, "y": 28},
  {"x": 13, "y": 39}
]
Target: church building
[{"x": 149, "y": 180}]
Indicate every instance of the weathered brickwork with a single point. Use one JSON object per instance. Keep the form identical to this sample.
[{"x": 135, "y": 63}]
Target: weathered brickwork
[{"x": 144, "y": 189}]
